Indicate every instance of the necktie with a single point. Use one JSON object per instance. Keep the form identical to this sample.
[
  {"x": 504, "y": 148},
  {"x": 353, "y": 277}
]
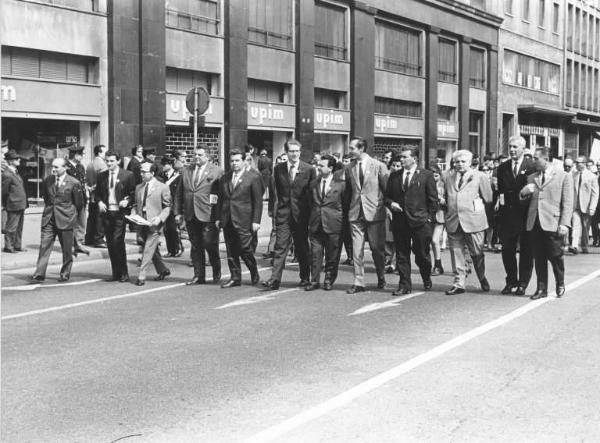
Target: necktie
[
  {"x": 291, "y": 172},
  {"x": 323, "y": 189},
  {"x": 579, "y": 186},
  {"x": 460, "y": 180},
  {"x": 406, "y": 180},
  {"x": 56, "y": 180},
  {"x": 543, "y": 177},
  {"x": 196, "y": 175},
  {"x": 236, "y": 176},
  {"x": 515, "y": 169},
  {"x": 361, "y": 174},
  {"x": 145, "y": 197}
]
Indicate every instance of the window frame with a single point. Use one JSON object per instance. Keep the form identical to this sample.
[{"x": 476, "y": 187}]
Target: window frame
[
  {"x": 346, "y": 48},
  {"x": 456, "y": 61},
  {"x": 291, "y": 37},
  {"x": 217, "y": 22},
  {"x": 401, "y": 28},
  {"x": 485, "y": 67}
]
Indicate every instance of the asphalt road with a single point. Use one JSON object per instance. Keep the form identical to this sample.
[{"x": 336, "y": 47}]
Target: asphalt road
[{"x": 96, "y": 362}]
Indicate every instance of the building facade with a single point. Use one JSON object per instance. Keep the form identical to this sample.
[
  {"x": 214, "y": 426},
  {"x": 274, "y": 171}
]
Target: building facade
[{"x": 419, "y": 73}]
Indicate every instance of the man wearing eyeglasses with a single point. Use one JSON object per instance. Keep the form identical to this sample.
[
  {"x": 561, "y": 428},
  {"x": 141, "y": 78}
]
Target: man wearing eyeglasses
[{"x": 512, "y": 176}]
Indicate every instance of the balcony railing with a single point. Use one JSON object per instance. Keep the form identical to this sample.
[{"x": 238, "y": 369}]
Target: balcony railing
[
  {"x": 403, "y": 67},
  {"x": 191, "y": 22},
  {"x": 447, "y": 76},
  {"x": 269, "y": 38},
  {"x": 331, "y": 51},
  {"x": 477, "y": 83}
]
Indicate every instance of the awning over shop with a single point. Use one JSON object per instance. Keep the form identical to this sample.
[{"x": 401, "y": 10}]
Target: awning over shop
[{"x": 536, "y": 109}]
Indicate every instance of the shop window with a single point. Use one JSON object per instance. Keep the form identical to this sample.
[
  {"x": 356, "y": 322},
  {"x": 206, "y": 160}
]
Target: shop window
[
  {"x": 529, "y": 72},
  {"x": 398, "y": 49},
  {"x": 446, "y": 113},
  {"x": 263, "y": 91},
  {"x": 475, "y": 131},
  {"x": 555, "y": 18},
  {"x": 330, "y": 32},
  {"x": 327, "y": 98},
  {"x": 508, "y": 7},
  {"x": 402, "y": 108},
  {"x": 182, "y": 80},
  {"x": 447, "y": 60},
  {"x": 22, "y": 62},
  {"x": 477, "y": 68},
  {"x": 270, "y": 23},
  {"x": 193, "y": 15}
]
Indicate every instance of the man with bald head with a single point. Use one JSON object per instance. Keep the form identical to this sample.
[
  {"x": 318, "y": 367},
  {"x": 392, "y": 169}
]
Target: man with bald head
[{"x": 63, "y": 201}]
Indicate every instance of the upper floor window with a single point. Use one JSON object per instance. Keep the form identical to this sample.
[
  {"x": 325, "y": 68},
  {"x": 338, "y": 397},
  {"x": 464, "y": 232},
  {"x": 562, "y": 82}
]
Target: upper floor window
[
  {"x": 402, "y": 108},
  {"x": 328, "y": 98},
  {"x": 541, "y": 13},
  {"x": 270, "y": 23},
  {"x": 398, "y": 49},
  {"x": 330, "y": 32},
  {"x": 555, "y": 18},
  {"x": 477, "y": 68},
  {"x": 447, "y": 59},
  {"x": 265, "y": 91},
  {"x": 182, "y": 80},
  {"x": 32, "y": 63},
  {"x": 525, "y": 10},
  {"x": 84, "y": 5},
  {"x": 508, "y": 7},
  {"x": 194, "y": 15},
  {"x": 529, "y": 72},
  {"x": 446, "y": 113}
]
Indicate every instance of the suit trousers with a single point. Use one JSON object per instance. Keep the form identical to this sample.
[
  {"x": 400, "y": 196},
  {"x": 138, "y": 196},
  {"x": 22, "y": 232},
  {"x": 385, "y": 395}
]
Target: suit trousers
[
  {"x": 14, "y": 229},
  {"x": 94, "y": 231},
  {"x": 375, "y": 231},
  {"x": 474, "y": 244},
  {"x": 239, "y": 244},
  {"x": 521, "y": 274},
  {"x": 204, "y": 236},
  {"x": 417, "y": 239},
  {"x": 547, "y": 247},
  {"x": 346, "y": 237},
  {"x": 285, "y": 233},
  {"x": 321, "y": 242},
  {"x": 581, "y": 229},
  {"x": 65, "y": 237},
  {"x": 79, "y": 228},
  {"x": 114, "y": 226},
  {"x": 172, "y": 238},
  {"x": 151, "y": 252}
]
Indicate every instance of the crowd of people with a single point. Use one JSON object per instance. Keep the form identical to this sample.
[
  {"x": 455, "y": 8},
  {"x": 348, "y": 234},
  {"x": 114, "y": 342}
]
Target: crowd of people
[{"x": 528, "y": 208}]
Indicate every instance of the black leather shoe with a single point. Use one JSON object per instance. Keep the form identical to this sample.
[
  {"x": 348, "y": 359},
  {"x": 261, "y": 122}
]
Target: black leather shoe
[
  {"x": 164, "y": 274},
  {"x": 540, "y": 293},
  {"x": 20, "y": 250},
  {"x": 312, "y": 286},
  {"x": 36, "y": 278},
  {"x": 169, "y": 255},
  {"x": 485, "y": 285},
  {"x": 216, "y": 277},
  {"x": 560, "y": 290},
  {"x": 349, "y": 262},
  {"x": 327, "y": 286},
  {"x": 507, "y": 290},
  {"x": 10, "y": 251},
  {"x": 354, "y": 289},
  {"x": 427, "y": 284},
  {"x": 231, "y": 284},
  {"x": 140, "y": 282},
  {"x": 454, "y": 290},
  {"x": 63, "y": 278},
  {"x": 124, "y": 278},
  {"x": 303, "y": 283},
  {"x": 520, "y": 290},
  {"x": 573, "y": 251},
  {"x": 100, "y": 245},
  {"x": 196, "y": 281},
  {"x": 254, "y": 278},
  {"x": 179, "y": 253},
  {"x": 271, "y": 284},
  {"x": 401, "y": 291},
  {"x": 381, "y": 283}
]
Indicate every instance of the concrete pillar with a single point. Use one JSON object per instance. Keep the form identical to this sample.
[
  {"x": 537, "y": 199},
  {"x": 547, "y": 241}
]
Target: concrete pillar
[
  {"x": 431, "y": 92},
  {"x": 464, "y": 51},
  {"x": 305, "y": 76},
  {"x": 492, "y": 122}
]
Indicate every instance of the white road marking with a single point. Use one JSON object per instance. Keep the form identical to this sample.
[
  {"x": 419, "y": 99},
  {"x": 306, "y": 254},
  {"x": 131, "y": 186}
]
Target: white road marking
[
  {"x": 367, "y": 386},
  {"x": 383, "y": 305},
  {"x": 256, "y": 299},
  {"x": 42, "y": 285},
  {"x": 100, "y": 300}
]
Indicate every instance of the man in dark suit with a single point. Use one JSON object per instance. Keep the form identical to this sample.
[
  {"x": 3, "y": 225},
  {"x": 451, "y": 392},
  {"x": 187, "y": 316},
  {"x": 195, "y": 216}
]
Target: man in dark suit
[
  {"x": 550, "y": 194},
  {"x": 115, "y": 193},
  {"x": 411, "y": 195},
  {"x": 265, "y": 167},
  {"x": 62, "y": 200},
  {"x": 328, "y": 198},
  {"x": 94, "y": 232},
  {"x": 135, "y": 163},
  {"x": 196, "y": 200},
  {"x": 512, "y": 176},
  {"x": 239, "y": 210},
  {"x": 14, "y": 202},
  {"x": 171, "y": 178},
  {"x": 289, "y": 202},
  {"x": 76, "y": 170}
]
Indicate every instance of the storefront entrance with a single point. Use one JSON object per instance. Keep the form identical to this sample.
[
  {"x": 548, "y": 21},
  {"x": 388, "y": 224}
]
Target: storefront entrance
[{"x": 272, "y": 141}]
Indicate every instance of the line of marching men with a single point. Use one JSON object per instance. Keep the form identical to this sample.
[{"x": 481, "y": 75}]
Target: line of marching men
[{"x": 312, "y": 206}]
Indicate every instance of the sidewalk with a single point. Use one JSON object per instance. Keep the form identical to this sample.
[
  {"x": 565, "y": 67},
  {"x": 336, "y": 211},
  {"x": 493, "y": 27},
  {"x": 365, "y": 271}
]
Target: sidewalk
[{"x": 31, "y": 242}]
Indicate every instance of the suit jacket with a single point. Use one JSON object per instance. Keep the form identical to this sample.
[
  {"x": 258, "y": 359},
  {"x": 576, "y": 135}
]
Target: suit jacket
[
  {"x": 135, "y": 166},
  {"x": 14, "y": 196},
  {"x": 194, "y": 198},
  {"x": 371, "y": 195},
  {"x": 419, "y": 201},
  {"x": 78, "y": 171},
  {"x": 97, "y": 166},
  {"x": 467, "y": 204},
  {"x": 265, "y": 167},
  {"x": 551, "y": 202},
  {"x": 291, "y": 201},
  {"x": 124, "y": 188},
  {"x": 172, "y": 182},
  {"x": 512, "y": 214},
  {"x": 328, "y": 212},
  {"x": 241, "y": 205},
  {"x": 62, "y": 203},
  {"x": 588, "y": 194},
  {"x": 158, "y": 202}
]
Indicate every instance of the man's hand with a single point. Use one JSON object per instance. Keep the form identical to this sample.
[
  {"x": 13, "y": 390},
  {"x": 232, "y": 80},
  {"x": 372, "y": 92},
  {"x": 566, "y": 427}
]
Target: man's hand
[
  {"x": 101, "y": 207},
  {"x": 563, "y": 230},
  {"x": 123, "y": 203},
  {"x": 218, "y": 224},
  {"x": 178, "y": 219},
  {"x": 527, "y": 190},
  {"x": 395, "y": 207},
  {"x": 255, "y": 227}
]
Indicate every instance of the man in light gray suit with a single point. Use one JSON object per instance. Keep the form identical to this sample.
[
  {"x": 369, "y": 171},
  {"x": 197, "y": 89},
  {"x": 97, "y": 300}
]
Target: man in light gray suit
[
  {"x": 467, "y": 192},
  {"x": 366, "y": 178},
  {"x": 550, "y": 195},
  {"x": 585, "y": 183}
]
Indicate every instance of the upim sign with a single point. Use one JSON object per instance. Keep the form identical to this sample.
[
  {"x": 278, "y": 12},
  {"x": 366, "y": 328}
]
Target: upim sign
[
  {"x": 325, "y": 118},
  {"x": 263, "y": 113},
  {"x": 177, "y": 106},
  {"x": 383, "y": 123},
  {"x": 9, "y": 93}
]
